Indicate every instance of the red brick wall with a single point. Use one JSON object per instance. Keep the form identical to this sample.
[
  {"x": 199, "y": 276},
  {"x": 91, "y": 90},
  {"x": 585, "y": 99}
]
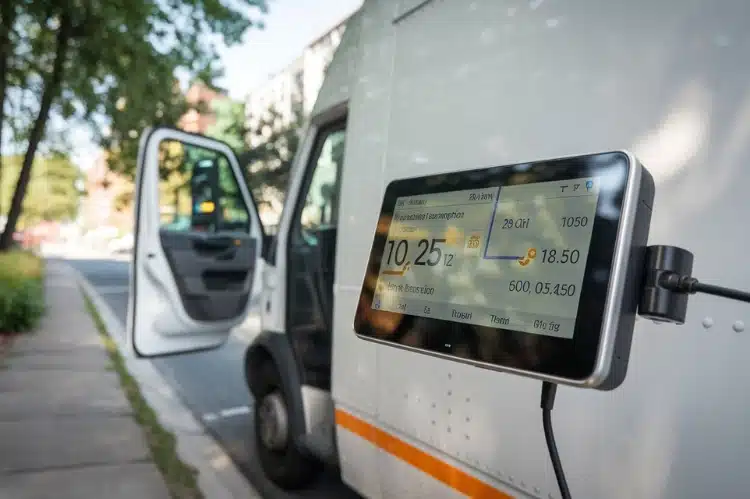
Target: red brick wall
[{"x": 196, "y": 122}]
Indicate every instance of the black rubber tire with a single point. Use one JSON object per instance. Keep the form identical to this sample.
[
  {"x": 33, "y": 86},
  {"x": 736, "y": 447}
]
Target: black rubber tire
[{"x": 288, "y": 468}]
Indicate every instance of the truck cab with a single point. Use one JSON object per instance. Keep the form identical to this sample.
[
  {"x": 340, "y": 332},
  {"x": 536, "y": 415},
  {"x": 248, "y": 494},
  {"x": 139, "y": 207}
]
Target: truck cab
[{"x": 421, "y": 87}]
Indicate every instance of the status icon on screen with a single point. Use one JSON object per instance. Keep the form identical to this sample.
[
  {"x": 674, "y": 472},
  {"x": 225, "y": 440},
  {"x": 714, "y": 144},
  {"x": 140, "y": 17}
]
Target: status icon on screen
[
  {"x": 589, "y": 185},
  {"x": 530, "y": 255},
  {"x": 474, "y": 241}
]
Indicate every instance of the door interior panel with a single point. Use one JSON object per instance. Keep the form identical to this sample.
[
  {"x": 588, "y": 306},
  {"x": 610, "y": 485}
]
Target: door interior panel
[{"x": 213, "y": 272}]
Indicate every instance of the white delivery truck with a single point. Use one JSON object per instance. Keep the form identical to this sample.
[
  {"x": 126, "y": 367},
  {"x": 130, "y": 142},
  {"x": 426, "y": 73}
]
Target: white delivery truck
[{"x": 424, "y": 88}]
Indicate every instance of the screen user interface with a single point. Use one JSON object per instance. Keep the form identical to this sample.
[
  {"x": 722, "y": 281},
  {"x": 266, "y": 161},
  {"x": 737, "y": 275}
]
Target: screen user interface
[{"x": 510, "y": 257}]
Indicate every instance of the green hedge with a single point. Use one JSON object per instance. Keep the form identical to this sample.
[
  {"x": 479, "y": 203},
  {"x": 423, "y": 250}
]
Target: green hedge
[{"x": 21, "y": 291}]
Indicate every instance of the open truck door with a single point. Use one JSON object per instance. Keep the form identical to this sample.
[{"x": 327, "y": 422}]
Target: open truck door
[{"x": 198, "y": 241}]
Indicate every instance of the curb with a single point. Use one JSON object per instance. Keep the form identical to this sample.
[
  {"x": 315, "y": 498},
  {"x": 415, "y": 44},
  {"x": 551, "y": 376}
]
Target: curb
[{"x": 218, "y": 477}]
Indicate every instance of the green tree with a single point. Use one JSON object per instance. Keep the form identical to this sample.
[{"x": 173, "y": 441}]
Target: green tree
[
  {"x": 230, "y": 123},
  {"x": 110, "y": 63},
  {"x": 52, "y": 193},
  {"x": 266, "y": 166}
]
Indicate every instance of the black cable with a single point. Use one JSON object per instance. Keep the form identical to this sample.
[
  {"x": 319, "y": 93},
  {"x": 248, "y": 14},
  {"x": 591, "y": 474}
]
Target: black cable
[
  {"x": 548, "y": 402},
  {"x": 685, "y": 284},
  {"x": 733, "y": 294}
]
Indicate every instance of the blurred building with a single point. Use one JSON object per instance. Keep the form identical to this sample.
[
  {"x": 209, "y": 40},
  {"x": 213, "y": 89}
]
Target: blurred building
[
  {"x": 201, "y": 96},
  {"x": 107, "y": 208},
  {"x": 291, "y": 93},
  {"x": 296, "y": 86},
  {"x": 99, "y": 207}
]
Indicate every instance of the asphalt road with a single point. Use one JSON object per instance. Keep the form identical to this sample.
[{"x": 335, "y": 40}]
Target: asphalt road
[{"x": 211, "y": 384}]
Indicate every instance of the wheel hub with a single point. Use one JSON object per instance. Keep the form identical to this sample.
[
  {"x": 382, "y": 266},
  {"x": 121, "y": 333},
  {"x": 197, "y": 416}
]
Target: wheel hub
[{"x": 273, "y": 421}]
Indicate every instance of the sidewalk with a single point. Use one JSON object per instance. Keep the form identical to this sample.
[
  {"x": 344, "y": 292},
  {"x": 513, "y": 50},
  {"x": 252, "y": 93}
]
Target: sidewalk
[{"x": 66, "y": 428}]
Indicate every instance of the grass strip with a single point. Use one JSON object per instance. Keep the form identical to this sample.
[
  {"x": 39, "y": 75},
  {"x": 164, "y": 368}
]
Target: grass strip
[{"x": 179, "y": 477}]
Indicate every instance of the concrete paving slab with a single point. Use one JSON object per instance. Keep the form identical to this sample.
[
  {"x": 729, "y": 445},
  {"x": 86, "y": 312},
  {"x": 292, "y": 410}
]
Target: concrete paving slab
[
  {"x": 19, "y": 405},
  {"x": 71, "y": 327},
  {"x": 125, "y": 481},
  {"x": 47, "y": 382},
  {"x": 218, "y": 476},
  {"x": 80, "y": 359},
  {"x": 66, "y": 427},
  {"x": 37, "y": 444},
  {"x": 46, "y": 393},
  {"x": 46, "y": 343}
]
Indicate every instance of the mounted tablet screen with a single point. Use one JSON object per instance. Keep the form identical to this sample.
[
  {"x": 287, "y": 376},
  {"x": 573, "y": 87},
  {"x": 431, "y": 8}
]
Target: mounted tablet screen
[
  {"x": 529, "y": 258},
  {"x": 510, "y": 266}
]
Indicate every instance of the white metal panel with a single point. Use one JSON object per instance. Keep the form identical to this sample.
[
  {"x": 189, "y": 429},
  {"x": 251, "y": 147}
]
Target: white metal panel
[
  {"x": 462, "y": 412},
  {"x": 408, "y": 7},
  {"x": 367, "y": 137},
  {"x": 337, "y": 85},
  {"x": 484, "y": 82},
  {"x": 359, "y": 464},
  {"x": 355, "y": 375},
  {"x": 404, "y": 481}
]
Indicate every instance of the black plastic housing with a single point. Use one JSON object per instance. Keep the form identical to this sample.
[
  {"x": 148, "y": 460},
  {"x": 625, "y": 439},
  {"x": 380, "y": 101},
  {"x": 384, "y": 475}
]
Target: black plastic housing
[
  {"x": 597, "y": 354},
  {"x": 658, "y": 303}
]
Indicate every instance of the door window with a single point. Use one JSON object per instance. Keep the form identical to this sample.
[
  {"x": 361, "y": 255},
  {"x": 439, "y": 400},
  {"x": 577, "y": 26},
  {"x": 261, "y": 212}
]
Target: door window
[
  {"x": 319, "y": 209},
  {"x": 312, "y": 259},
  {"x": 198, "y": 191}
]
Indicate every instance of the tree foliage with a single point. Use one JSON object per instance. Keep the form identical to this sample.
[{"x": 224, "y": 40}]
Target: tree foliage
[
  {"x": 110, "y": 63},
  {"x": 265, "y": 149},
  {"x": 230, "y": 123},
  {"x": 52, "y": 193}
]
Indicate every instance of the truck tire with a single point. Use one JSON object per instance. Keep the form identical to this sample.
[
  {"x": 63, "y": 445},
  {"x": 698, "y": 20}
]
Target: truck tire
[{"x": 282, "y": 462}]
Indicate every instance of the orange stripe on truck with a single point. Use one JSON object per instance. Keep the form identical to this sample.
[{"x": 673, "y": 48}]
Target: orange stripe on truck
[{"x": 437, "y": 469}]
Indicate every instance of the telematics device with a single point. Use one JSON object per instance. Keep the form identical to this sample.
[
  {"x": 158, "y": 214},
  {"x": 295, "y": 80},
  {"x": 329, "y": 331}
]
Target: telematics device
[
  {"x": 532, "y": 268},
  {"x": 536, "y": 269}
]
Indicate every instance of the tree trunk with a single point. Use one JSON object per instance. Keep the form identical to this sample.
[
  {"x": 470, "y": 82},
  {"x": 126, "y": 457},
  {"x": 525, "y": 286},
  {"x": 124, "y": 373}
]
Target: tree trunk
[
  {"x": 7, "y": 19},
  {"x": 51, "y": 88}
]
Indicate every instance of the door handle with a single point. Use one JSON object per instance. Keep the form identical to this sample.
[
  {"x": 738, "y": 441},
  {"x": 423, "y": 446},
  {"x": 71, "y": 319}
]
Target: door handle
[
  {"x": 227, "y": 254},
  {"x": 213, "y": 243}
]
